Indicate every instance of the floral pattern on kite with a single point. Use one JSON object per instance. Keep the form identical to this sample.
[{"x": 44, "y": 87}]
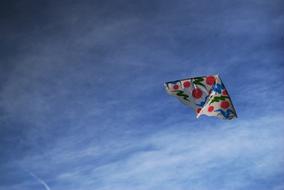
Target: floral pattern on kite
[{"x": 206, "y": 95}]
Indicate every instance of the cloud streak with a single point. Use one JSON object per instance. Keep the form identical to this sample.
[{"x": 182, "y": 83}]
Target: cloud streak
[
  {"x": 183, "y": 159},
  {"x": 190, "y": 155},
  {"x": 41, "y": 181}
]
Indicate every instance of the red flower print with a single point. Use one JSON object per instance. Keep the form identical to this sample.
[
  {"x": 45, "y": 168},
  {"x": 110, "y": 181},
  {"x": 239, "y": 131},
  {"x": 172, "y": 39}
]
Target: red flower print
[
  {"x": 176, "y": 87},
  {"x": 186, "y": 84},
  {"x": 225, "y": 104},
  {"x": 198, "y": 110},
  {"x": 225, "y": 93},
  {"x": 210, "y": 108},
  {"x": 210, "y": 80},
  {"x": 197, "y": 93}
]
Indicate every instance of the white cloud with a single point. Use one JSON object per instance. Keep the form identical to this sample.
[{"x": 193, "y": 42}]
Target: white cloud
[{"x": 201, "y": 157}]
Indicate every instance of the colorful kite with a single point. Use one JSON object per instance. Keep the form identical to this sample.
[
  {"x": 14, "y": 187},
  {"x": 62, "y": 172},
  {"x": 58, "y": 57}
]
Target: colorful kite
[{"x": 206, "y": 95}]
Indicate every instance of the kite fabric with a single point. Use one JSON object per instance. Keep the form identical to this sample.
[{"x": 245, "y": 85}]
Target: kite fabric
[{"x": 206, "y": 95}]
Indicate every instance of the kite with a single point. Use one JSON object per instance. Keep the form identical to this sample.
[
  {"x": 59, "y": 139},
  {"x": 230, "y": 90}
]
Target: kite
[{"x": 207, "y": 95}]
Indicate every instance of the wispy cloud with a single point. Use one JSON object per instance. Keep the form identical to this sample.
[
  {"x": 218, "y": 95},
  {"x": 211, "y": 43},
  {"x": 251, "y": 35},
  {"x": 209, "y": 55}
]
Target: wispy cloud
[
  {"x": 195, "y": 160},
  {"x": 232, "y": 156},
  {"x": 41, "y": 181}
]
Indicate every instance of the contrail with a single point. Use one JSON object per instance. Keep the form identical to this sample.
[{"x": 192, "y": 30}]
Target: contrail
[{"x": 40, "y": 181}]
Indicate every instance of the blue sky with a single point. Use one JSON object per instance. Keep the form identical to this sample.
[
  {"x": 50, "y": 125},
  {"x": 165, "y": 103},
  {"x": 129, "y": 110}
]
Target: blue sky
[{"x": 83, "y": 106}]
